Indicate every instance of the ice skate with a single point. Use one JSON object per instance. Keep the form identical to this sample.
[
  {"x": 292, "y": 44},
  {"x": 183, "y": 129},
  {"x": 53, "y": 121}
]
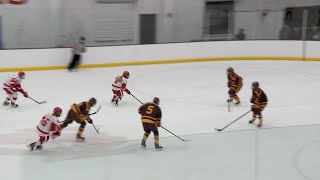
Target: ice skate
[
  {"x": 229, "y": 100},
  {"x": 31, "y": 146},
  {"x": 251, "y": 121},
  {"x": 14, "y": 105},
  {"x": 115, "y": 102},
  {"x": 237, "y": 102},
  {"x": 5, "y": 103},
  {"x": 158, "y": 147},
  {"x": 259, "y": 125},
  {"x": 39, "y": 147},
  {"x": 143, "y": 144},
  {"x": 80, "y": 138}
]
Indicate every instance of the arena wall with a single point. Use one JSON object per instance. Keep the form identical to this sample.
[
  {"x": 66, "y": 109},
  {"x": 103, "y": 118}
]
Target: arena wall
[{"x": 107, "y": 56}]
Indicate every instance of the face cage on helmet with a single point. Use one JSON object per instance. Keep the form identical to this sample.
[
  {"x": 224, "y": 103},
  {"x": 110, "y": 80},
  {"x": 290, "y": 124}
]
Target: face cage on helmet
[
  {"x": 92, "y": 103},
  {"x": 126, "y": 76},
  {"x": 254, "y": 86},
  {"x": 58, "y": 115},
  {"x": 21, "y": 75}
]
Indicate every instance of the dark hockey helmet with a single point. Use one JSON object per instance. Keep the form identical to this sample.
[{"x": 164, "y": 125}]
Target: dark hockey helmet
[
  {"x": 126, "y": 74},
  {"x": 230, "y": 70},
  {"x": 57, "y": 111},
  {"x": 21, "y": 74},
  {"x": 92, "y": 101},
  {"x": 255, "y": 85},
  {"x": 82, "y": 40},
  {"x": 156, "y": 100}
]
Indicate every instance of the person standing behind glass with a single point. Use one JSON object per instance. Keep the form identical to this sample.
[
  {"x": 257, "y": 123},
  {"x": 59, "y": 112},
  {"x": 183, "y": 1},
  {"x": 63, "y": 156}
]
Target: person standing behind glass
[
  {"x": 241, "y": 35},
  {"x": 77, "y": 49}
]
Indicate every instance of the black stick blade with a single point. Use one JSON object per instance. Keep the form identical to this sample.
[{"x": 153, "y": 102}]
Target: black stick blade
[{"x": 218, "y": 129}]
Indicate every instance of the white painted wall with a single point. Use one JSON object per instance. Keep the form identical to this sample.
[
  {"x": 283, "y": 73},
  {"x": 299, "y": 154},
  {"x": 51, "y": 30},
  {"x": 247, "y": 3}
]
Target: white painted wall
[
  {"x": 313, "y": 49},
  {"x": 97, "y": 55},
  {"x": 26, "y": 25},
  {"x": 62, "y": 21}
]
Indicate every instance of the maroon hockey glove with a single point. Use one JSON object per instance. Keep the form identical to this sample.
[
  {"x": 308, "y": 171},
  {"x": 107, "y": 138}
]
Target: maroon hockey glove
[
  {"x": 25, "y": 94},
  {"x": 127, "y": 91}
]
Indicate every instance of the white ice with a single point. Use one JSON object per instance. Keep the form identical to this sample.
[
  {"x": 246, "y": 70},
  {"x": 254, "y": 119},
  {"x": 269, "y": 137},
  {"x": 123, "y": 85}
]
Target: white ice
[{"x": 193, "y": 100}]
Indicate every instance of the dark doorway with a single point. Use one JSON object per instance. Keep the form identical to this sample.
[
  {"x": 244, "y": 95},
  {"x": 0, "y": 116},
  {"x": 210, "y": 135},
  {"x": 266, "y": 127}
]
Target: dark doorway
[{"x": 147, "y": 28}]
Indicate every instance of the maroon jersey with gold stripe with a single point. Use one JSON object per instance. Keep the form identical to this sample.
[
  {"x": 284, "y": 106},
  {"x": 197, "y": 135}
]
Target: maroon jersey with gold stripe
[
  {"x": 81, "y": 108},
  {"x": 150, "y": 113},
  {"x": 259, "y": 97},
  {"x": 234, "y": 80}
]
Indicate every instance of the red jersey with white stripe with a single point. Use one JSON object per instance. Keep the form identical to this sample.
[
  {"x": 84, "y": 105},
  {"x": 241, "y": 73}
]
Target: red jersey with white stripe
[
  {"x": 120, "y": 83},
  {"x": 48, "y": 124},
  {"x": 14, "y": 84}
]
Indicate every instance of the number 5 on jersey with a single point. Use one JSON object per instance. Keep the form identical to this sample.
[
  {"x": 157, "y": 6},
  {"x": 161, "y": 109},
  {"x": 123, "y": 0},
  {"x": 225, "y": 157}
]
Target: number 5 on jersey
[{"x": 149, "y": 109}]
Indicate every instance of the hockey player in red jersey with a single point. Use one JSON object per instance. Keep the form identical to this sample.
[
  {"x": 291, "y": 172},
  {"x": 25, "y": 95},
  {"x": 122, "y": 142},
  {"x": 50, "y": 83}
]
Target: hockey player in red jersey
[
  {"x": 118, "y": 86},
  {"x": 12, "y": 86},
  {"x": 47, "y": 127}
]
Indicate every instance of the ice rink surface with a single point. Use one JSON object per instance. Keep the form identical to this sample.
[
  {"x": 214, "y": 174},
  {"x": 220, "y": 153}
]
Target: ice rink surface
[{"x": 193, "y": 101}]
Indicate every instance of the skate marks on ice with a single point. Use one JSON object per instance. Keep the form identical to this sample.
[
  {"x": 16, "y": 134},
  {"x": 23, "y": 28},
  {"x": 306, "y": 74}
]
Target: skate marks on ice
[{"x": 65, "y": 147}]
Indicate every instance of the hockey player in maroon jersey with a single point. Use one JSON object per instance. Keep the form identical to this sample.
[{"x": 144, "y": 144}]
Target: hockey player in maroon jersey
[
  {"x": 80, "y": 114},
  {"x": 46, "y": 128},
  {"x": 151, "y": 120},
  {"x": 12, "y": 86},
  {"x": 234, "y": 85},
  {"x": 118, "y": 86},
  {"x": 259, "y": 101}
]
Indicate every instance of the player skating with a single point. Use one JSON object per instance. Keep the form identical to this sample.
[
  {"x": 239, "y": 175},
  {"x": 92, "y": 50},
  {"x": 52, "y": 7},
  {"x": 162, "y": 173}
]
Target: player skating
[
  {"x": 80, "y": 114},
  {"x": 234, "y": 85},
  {"x": 46, "y": 128},
  {"x": 259, "y": 101},
  {"x": 151, "y": 120},
  {"x": 12, "y": 86},
  {"x": 118, "y": 86}
]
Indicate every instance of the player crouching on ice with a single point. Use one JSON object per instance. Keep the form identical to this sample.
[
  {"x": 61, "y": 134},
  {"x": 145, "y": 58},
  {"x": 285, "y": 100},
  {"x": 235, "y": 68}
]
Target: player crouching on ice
[
  {"x": 80, "y": 114},
  {"x": 46, "y": 128},
  {"x": 12, "y": 86},
  {"x": 120, "y": 85}
]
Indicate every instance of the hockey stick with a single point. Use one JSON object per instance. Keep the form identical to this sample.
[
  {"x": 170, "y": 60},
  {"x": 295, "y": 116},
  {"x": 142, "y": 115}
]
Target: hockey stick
[
  {"x": 93, "y": 114},
  {"x": 136, "y": 98},
  {"x": 232, "y": 122},
  {"x": 95, "y": 128},
  {"x": 96, "y": 111},
  {"x": 175, "y": 135},
  {"x": 37, "y": 101}
]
